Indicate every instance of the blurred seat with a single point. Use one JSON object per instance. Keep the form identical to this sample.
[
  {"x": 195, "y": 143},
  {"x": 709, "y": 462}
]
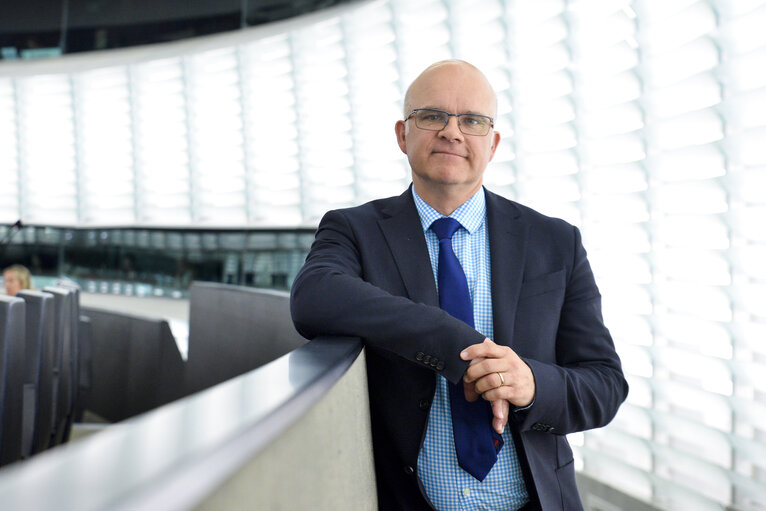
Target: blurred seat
[
  {"x": 84, "y": 367},
  {"x": 11, "y": 377},
  {"x": 38, "y": 371},
  {"x": 64, "y": 354}
]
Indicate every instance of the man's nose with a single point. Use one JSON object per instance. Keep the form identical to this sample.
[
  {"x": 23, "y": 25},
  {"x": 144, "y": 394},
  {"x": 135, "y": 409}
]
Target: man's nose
[{"x": 452, "y": 130}]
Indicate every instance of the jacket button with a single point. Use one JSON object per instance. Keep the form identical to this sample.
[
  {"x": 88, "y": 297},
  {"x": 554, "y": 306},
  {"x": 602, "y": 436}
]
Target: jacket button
[
  {"x": 419, "y": 356},
  {"x": 434, "y": 362},
  {"x": 426, "y": 359},
  {"x": 440, "y": 366},
  {"x": 423, "y": 404},
  {"x": 409, "y": 470}
]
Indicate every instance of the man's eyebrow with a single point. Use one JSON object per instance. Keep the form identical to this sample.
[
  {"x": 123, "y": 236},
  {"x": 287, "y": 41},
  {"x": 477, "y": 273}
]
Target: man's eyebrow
[{"x": 467, "y": 112}]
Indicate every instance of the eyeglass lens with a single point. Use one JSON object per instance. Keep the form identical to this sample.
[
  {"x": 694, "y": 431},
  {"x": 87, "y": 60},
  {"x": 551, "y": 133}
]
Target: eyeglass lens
[{"x": 436, "y": 120}]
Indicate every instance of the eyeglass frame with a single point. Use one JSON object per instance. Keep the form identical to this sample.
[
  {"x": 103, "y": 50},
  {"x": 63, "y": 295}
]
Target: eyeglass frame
[{"x": 449, "y": 114}]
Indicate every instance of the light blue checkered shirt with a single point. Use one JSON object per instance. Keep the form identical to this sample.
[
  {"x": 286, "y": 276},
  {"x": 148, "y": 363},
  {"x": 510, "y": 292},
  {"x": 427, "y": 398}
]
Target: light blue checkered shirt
[{"x": 447, "y": 485}]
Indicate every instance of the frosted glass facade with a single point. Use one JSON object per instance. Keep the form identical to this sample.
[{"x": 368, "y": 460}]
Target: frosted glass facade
[{"x": 641, "y": 121}]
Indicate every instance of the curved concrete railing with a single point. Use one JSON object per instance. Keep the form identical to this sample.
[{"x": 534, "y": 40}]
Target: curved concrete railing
[{"x": 300, "y": 422}]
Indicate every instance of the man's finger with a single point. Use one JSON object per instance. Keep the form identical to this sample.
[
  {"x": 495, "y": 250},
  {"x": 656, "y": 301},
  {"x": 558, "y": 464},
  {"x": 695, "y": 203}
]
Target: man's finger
[
  {"x": 500, "y": 410},
  {"x": 486, "y": 349}
]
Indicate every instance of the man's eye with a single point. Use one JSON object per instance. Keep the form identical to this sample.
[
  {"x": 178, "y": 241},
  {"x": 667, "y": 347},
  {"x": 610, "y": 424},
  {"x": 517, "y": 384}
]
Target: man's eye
[
  {"x": 433, "y": 117},
  {"x": 472, "y": 121}
]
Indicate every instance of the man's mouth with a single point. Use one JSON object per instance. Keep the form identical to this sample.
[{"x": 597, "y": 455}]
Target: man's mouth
[{"x": 448, "y": 153}]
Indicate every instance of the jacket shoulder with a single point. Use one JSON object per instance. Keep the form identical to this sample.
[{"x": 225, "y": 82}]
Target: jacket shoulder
[{"x": 526, "y": 214}]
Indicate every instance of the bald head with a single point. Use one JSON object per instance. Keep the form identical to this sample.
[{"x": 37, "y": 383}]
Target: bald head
[
  {"x": 441, "y": 74},
  {"x": 448, "y": 160}
]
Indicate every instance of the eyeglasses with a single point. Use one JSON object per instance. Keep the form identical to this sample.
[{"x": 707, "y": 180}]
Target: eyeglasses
[{"x": 436, "y": 120}]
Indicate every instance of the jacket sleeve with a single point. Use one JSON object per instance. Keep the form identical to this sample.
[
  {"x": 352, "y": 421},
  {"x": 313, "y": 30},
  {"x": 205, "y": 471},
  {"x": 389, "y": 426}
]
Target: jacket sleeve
[
  {"x": 330, "y": 296},
  {"x": 584, "y": 387}
]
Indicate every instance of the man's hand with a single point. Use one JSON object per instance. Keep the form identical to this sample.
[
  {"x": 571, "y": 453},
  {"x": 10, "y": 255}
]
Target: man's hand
[{"x": 497, "y": 374}]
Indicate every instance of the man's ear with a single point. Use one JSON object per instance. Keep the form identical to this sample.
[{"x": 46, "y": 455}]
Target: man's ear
[
  {"x": 401, "y": 128},
  {"x": 495, "y": 143}
]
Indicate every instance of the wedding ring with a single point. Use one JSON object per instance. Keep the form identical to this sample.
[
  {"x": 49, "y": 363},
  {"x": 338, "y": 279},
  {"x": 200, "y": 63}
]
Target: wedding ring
[{"x": 502, "y": 380}]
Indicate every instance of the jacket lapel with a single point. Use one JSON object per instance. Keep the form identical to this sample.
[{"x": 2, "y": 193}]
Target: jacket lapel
[
  {"x": 508, "y": 236},
  {"x": 403, "y": 232}
]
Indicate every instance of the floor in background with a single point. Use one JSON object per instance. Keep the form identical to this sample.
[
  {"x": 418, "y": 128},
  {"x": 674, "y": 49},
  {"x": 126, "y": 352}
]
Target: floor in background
[{"x": 166, "y": 308}]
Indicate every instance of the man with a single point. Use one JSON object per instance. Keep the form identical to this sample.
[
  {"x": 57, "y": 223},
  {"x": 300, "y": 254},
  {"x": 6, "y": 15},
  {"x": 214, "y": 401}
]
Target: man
[{"x": 537, "y": 354}]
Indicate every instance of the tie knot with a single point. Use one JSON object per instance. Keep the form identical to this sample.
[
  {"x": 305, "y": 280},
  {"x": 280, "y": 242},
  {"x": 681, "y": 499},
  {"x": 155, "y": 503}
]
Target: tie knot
[{"x": 444, "y": 228}]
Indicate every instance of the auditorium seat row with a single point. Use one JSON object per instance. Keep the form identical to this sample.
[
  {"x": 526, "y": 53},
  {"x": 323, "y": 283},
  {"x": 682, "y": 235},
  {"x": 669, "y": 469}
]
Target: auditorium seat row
[
  {"x": 45, "y": 370},
  {"x": 55, "y": 361}
]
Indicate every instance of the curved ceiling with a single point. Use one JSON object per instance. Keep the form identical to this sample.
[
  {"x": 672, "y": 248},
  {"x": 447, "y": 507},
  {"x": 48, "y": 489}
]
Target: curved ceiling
[{"x": 70, "y": 26}]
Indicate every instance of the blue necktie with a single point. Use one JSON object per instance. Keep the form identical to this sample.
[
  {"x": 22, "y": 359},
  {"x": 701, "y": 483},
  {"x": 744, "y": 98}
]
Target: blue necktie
[{"x": 476, "y": 443}]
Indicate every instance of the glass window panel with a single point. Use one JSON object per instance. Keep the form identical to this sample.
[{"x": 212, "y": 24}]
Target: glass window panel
[
  {"x": 633, "y": 451},
  {"x": 693, "y": 265},
  {"x": 632, "y": 297},
  {"x": 9, "y": 168},
  {"x": 694, "y": 404},
  {"x": 701, "y": 162},
  {"x": 547, "y": 139},
  {"x": 746, "y": 72},
  {"x": 688, "y": 130},
  {"x": 553, "y": 189},
  {"x": 703, "y": 232},
  {"x": 634, "y": 420},
  {"x": 626, "y": 327},
  {"x": 750, "y": 260},
  {"x": 617, "y": 208},
  {"x": 689, "y": 471},
  {"x": 696, "y": 93},
  {"x": 559, "y": 163},
  {"x": 613, "y": 235},
  {"x": 618, "y": 119},
  {"x": 48, "y": 154},
  {"x": 666, "y": 32},
  {"x": 600, "y": 92},
  {"x": 536, "y": 89},
  {"x": 695, "y": 299},
  {"x": 697, "y": 197},
  {"x": 615, "y": 179},
  {"x": 706, "y": 373},
  {"x": 748, "y": 223},
  {"x": 633, "y": 481},
  {"x": 641, "y": 393},
  {"x": 751, "y": 375},
  {"x": 751, "y": 297},
  {"x": 539, "y": 35},
  {"x": 696, "y": 334},
  {"x": 752, "y": 150},
  {"x": 636, "y": 360},
  {"x": 602, "y": 27},
  {"x": 543, "y": 60},
  {"x": 749, "y": 109},
  {"x": 105, "y": 142},
  {"x": 672, "y": 67},
  {"x": 608, "y": 60},
  {"x": 615, "y": 150},
  {"x": 744, "y": 32},
  {"x": 540, "y": 113}
]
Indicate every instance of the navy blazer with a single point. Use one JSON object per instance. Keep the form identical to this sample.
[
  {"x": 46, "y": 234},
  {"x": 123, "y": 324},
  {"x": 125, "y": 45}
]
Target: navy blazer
[{"x": 368, "y": 274}]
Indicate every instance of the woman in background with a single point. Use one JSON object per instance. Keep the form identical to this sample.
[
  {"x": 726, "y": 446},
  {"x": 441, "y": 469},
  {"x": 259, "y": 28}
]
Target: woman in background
[{"x": 17, "y": 277}]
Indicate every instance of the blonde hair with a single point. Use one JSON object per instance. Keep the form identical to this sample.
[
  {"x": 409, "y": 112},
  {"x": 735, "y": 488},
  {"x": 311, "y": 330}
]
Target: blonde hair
[{"x": 22, "y": 273}]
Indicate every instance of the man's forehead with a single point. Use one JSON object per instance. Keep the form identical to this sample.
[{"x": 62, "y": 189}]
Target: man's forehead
[{"x": 469, "y": 92}]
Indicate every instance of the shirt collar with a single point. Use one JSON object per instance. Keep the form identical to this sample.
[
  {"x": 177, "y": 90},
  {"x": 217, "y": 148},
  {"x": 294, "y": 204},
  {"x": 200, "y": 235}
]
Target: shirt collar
[{"x": 470, "y": 214}]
